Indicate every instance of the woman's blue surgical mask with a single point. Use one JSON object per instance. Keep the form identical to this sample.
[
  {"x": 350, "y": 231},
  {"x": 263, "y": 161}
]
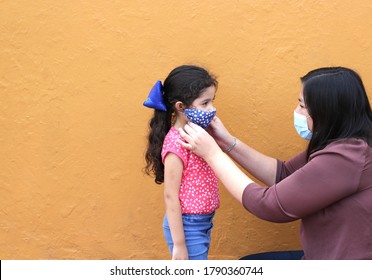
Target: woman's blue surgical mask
[
  {"x": 300, "y": 123},
  {"x": 200, "y": 117}
]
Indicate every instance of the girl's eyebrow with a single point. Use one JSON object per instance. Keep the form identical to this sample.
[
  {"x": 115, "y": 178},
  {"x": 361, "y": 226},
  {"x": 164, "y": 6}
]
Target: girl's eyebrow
[
  {"x": 207, "y": 99},
  {"x": 213, "y": 98}
]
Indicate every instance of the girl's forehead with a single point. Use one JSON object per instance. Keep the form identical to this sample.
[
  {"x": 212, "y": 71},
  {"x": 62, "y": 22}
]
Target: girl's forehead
[{"x": 208, "y": 93}]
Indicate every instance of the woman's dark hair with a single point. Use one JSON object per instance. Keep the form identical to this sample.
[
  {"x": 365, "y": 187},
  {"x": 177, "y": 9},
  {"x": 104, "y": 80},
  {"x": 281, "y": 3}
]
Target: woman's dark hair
[
  {"x": 184, "y": 83},
  {"x": 338, "y": 105}
]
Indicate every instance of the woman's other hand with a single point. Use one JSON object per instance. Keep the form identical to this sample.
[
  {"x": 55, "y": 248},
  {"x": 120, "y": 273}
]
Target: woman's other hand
[
  {"x": 198, "y": 140},
  {"x": 220, "y": 133}
]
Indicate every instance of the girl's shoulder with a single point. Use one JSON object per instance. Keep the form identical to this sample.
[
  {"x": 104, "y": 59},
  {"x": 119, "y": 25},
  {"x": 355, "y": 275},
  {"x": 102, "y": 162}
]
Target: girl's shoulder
[
  {"x": 171, "y": 144},
  {"x": 173, "y": 131},
  {"x": 173, "y": 135}
]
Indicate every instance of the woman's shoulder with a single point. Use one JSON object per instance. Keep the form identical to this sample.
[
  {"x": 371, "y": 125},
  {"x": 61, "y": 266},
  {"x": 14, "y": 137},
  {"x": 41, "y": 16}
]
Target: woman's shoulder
[
  {"x": 348, "y": 142},
  {"x": 343, "y": 157},
  {"x": 345, "y": 147}
]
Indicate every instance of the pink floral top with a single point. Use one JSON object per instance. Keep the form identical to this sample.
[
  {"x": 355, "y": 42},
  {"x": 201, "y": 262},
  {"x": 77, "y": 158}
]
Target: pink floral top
[{"x": 199, "y": 185}]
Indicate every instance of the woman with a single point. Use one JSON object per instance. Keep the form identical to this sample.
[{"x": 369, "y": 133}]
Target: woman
[{"x": 328, "y": 186}]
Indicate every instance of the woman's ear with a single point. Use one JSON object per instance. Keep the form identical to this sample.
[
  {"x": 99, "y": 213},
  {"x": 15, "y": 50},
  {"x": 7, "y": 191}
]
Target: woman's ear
[{"x": 179, "y": 106}]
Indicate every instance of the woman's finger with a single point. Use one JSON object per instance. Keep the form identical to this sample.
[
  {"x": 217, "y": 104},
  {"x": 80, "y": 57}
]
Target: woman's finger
[
  {"x": 185, "y": 145},
  {"x": 189, "y": 132},
  {"x": 184, "y": 134},
  {"x": 187, "y": 138},
  {"x": 196, "y": 128},
  {"x": 192, "y": 129}
]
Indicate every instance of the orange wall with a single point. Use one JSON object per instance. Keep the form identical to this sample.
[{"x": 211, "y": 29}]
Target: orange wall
[{"x": 73, "y": 76}]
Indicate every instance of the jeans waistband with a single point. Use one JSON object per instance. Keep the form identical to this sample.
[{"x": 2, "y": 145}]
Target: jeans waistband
[{"x": 198, "y": 217}]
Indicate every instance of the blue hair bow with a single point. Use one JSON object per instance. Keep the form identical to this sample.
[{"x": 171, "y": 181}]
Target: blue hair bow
[{"x": 155, "y": 100}]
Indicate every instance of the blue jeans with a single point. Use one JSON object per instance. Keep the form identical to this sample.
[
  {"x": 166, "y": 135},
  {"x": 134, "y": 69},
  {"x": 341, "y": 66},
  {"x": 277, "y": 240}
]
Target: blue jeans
[{"x": 197, "y": 229}]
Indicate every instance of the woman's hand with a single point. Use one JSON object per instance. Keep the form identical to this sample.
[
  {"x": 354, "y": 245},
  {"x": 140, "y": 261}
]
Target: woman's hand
[
  {"x": 198, "y": 140},
  {"x": 202, "y": 144},
  {"x": 220, "y": 133}
]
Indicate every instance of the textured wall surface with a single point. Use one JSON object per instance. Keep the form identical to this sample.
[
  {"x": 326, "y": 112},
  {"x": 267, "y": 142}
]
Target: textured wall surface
[{"x": 73, "y": 76}]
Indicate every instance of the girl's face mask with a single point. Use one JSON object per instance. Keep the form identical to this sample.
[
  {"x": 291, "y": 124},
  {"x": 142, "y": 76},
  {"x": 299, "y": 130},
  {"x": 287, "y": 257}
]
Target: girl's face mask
[
  {"x": 200, "y": 117},
  {"x": 300, "y": 123}
]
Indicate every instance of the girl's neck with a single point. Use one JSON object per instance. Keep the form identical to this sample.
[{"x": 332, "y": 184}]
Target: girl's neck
[{"x": 180, "y": 122}]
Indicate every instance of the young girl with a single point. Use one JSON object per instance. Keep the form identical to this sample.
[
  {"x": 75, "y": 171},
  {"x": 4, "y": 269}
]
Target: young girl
[{"x": 190, "y": 186}]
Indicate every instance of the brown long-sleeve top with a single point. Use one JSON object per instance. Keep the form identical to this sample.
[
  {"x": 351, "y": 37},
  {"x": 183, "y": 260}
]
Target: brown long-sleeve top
[{"x": 331, "y": 193}]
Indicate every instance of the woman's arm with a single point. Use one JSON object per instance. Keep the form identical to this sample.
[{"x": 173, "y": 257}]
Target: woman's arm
[
  {"x": 173, "y": 167},
  {"x": 201, "y": 143},
  {"x": 259, "y": 165}
]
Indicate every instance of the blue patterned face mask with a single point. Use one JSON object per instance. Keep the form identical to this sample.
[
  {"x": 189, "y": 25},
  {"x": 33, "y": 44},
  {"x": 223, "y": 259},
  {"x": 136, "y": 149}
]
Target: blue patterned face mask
[{"x": 200, "y": 117}]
